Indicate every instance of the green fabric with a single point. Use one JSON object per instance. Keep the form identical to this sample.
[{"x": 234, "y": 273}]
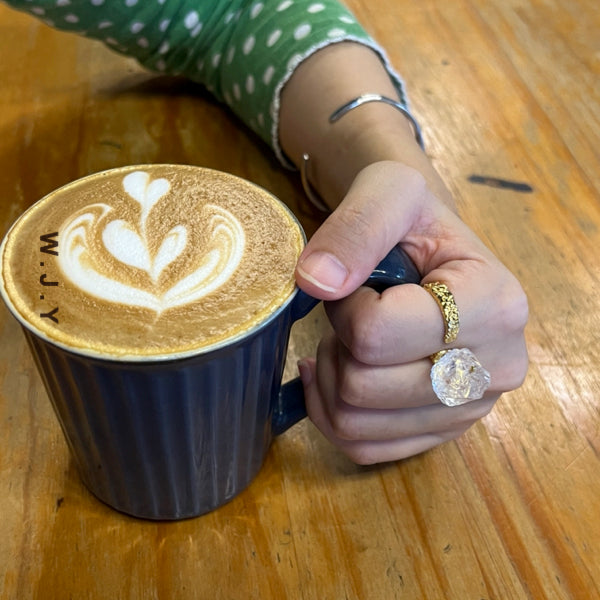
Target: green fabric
[{"x": 242, "y": 51}]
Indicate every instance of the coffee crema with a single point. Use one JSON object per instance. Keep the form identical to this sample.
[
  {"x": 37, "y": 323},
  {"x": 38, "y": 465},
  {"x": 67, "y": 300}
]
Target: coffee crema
[{"x": 150, "y": 261}]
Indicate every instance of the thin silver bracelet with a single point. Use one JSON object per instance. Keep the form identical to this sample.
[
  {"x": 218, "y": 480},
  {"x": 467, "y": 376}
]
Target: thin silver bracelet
[
  {"x": 365, "y": 98},
  {"x": 336, "y": 116}
]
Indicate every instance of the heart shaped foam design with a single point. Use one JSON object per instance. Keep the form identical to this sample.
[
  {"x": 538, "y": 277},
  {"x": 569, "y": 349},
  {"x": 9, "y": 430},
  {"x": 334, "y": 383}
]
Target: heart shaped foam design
[
  {"x": 146, "y": 192},
  {"x": 128, "y": 245}
]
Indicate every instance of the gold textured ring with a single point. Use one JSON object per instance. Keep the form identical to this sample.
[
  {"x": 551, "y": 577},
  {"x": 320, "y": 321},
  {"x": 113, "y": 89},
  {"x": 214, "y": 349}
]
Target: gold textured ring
[
  {"x": 443, "y": 296},
  {"x": 435, "y": 357}
]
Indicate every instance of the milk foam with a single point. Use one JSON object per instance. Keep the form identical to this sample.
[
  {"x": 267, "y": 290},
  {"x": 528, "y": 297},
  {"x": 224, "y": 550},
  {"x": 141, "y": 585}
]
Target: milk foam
[
  {"x": 150, "y": 262},
  {"x": 128, "y": 243}
]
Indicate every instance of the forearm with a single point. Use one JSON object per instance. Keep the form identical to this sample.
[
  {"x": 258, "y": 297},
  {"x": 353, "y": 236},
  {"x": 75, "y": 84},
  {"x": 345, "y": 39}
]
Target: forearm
[
  {"x": 249, "y": 53},
  {"x": 370, "y": 133},
  {"x": 243, "y": 51}
]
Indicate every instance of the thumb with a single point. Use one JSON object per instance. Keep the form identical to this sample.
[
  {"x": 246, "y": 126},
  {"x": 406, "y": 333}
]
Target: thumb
[{"x": 371, "y": 219}]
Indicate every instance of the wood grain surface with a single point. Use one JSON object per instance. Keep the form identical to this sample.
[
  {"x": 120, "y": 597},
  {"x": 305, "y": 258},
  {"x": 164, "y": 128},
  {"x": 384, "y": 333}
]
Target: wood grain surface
[{"x": 508, "y": 93}]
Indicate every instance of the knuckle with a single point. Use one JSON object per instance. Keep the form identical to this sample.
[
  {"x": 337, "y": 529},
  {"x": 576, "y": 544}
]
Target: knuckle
[
  {"x": 361, "y": 454},
  {"x": 513, "y": 308},
  {"x": 415, "y": 181},
  {"x": 520, "y": 375},
  {"x": 353, "y": 386},
  {"x": 516, "y": 373},
  {"x": 365, "y": 341},
  {"x": 354, "y": 221},
  {"x": 346, "y": 425}
]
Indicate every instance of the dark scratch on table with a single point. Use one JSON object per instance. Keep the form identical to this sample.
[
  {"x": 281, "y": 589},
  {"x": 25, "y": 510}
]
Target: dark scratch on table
[{"x": 504, "y": 184}]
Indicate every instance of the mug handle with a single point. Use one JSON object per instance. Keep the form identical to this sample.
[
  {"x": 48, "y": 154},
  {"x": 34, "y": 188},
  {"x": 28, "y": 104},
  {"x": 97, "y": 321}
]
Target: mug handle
[{"x": 395, "y": 269}]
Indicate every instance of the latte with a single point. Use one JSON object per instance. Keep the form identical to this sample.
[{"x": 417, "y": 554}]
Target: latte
[{"x": 150, "y": 261}]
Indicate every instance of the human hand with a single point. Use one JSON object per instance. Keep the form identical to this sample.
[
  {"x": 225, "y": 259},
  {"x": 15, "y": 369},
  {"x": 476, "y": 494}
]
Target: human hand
[{"x": 369, "y": 390}]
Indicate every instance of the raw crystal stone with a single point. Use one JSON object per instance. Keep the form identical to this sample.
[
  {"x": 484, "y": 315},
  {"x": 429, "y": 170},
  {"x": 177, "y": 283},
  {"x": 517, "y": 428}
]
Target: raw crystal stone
[{"x": 458, "y": 377}]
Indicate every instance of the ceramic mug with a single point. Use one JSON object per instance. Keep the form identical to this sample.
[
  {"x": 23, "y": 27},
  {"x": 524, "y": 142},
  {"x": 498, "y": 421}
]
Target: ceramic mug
[{"x": 172, "y": 438}]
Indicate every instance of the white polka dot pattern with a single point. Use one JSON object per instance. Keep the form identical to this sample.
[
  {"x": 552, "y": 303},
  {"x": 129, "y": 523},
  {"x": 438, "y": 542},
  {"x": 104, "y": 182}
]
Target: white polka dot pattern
[
  {"x": 248, "y": 45},
  {"x": 302, "y": 31},
  {"x": 273, "y": 38},
  {"x": 243, "y": 51},
  {"x": 191, "y": 20},
  {"x": 268, "y": 74},
  {"x": 256, "y": 10}
]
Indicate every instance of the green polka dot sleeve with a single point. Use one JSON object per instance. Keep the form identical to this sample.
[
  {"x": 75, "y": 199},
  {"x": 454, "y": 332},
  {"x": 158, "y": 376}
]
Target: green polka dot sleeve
[{"x": 242, "y": 51}]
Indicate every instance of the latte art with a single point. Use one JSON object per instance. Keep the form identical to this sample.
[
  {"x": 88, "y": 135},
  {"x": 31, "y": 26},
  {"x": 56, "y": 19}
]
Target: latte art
[
  {"x": 129, "y": 243},
  {"x": 150, "y": 261}
]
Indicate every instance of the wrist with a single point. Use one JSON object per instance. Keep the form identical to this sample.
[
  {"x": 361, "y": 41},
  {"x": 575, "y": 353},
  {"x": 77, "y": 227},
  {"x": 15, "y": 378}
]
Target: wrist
[
  {"x": 372, "y": 134},
  {"x": 369, "y": 134}
]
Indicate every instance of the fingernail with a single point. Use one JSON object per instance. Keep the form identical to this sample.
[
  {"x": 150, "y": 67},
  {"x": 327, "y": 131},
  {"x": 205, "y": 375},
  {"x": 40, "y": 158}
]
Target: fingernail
[
  {"x": 324, "y": 270},
  {"x": 305, "y": 372}
]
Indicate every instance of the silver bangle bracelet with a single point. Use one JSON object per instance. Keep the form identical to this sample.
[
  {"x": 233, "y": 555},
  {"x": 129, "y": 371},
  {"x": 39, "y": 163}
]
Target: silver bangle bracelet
[
  {"x": 336, "y": 116},
  {"x": 366, "y": 98}
]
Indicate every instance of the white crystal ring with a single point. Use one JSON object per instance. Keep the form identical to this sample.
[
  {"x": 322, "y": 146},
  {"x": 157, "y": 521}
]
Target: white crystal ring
[{"x": 457, "y": 377}]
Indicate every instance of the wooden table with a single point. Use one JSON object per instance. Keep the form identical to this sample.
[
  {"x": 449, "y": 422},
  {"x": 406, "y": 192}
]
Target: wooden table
[{"x": 504, "y": 89}]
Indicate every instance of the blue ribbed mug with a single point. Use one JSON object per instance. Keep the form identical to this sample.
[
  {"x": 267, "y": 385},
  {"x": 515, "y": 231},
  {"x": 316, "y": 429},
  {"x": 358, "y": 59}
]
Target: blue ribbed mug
[{"x": 173, "y": 438}]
